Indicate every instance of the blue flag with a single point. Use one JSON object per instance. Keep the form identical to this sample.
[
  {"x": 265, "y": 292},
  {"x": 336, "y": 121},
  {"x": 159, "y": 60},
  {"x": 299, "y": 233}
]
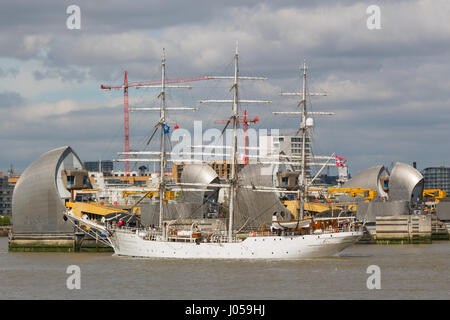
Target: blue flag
[{"x": 166, "y": 128}]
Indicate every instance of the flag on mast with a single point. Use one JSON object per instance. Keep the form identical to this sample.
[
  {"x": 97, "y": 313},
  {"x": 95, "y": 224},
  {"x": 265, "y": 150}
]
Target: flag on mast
[{"x": 340, "y": 162}]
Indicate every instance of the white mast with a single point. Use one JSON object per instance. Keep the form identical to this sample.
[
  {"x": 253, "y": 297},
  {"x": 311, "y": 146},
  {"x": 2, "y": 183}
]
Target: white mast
[
  {"x": 302, "y": 180},
  {"x": 162, "y": 124},
  {"x": 303, "y": 185},
  {"x": 235, "y": 119},
  {"x": 162, "y": 187}
]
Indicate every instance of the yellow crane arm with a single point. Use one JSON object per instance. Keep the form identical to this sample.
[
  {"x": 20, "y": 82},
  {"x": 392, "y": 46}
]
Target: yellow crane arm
[
  {"x": 437, "y": 194},
  {"x": 367, "y": 194}
]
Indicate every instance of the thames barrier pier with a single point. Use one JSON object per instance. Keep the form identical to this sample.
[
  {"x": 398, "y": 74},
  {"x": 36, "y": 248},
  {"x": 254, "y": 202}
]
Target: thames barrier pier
[{"x": 39, "y": 201}]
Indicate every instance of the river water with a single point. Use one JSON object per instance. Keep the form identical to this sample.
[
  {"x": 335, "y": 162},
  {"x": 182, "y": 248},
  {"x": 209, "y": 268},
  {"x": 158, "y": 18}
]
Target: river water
[{"x": 406, "y": 272}]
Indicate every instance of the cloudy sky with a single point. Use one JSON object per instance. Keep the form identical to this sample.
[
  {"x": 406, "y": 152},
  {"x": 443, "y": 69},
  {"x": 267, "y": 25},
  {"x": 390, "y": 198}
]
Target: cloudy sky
[{"x": 389, "y": 87}]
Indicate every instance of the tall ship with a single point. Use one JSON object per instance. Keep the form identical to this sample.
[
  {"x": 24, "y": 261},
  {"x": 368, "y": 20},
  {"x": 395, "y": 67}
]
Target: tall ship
[{"x": 231, "y": 236}]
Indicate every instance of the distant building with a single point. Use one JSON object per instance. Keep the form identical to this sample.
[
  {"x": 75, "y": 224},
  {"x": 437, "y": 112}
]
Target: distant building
[
  {"x": 105, "y": 166},
  {"x": 437, "y": 178},
  {"x": 287, "y": 145},
  {"x": 6, "y": 192}
]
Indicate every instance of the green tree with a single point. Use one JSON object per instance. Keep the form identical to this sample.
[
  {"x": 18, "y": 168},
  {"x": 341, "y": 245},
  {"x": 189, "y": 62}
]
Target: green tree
[{"x": 5, "y": 221}]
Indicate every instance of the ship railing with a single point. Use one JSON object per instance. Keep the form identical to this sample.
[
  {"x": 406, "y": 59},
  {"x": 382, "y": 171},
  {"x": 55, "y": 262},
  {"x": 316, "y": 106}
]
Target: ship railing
[
  {"x": 212, "y": 238},
  {"x": 152, "y": 236},
  {"x": 128, "y": 229},
  {"x": 350, "y": 226}
]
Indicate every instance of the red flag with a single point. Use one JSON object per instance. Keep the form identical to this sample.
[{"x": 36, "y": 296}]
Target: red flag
[{"x": 340, "y": 162}]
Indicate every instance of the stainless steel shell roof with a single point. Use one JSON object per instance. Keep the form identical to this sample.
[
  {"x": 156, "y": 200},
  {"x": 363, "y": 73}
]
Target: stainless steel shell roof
[
  {"x": 405, "y": 183},
  {"x": 197, "y": 173},
  {"x": 369, "y": 179},
  {"x": 38, "y": 198}
]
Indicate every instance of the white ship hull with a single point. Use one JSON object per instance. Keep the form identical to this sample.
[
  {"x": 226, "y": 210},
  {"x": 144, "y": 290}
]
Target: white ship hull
[{"x": 259, "y": 247}]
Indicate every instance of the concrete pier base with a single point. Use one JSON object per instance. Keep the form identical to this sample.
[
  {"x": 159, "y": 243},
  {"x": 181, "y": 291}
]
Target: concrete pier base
[
  {"x": 404, "y": 229},
  {"x": 54, "y": 243},
  {"x": 439, "y": 230}
]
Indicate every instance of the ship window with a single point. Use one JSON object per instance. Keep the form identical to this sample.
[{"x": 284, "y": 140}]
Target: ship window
[{"x": 70, "y": 180}]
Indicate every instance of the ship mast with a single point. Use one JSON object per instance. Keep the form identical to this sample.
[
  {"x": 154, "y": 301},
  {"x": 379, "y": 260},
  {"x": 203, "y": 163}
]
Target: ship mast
[
  {"x": 162, "y": 124},
  {"x": 304, "y": 127},
  {"x": 303, "y": 186},
  {"x": 234, "y": 119},
  {"x": 162, "y": 121}
]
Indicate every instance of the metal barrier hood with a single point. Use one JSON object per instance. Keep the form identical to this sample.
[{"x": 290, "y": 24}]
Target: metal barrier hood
[
  {"x": 198, "y": 173},
  {"x": 370, "y": 179},
  {"x": 405, "y": 183},
  {"x": 40, "y": 195}
]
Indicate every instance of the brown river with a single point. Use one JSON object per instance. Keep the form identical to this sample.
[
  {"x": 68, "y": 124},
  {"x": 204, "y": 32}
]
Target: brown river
[{"x": 405, "y": 272}]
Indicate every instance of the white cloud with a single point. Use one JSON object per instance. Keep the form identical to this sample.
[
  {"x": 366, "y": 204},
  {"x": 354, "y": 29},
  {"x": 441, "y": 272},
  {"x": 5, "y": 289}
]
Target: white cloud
[
  {"x": 33, "y": 43},
  {"x": 381, "y": 83}
]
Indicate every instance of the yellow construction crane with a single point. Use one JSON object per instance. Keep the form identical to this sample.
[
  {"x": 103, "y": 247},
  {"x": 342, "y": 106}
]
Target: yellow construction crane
[
  {"x": 437, "y": 194},
  {"x": 367, "y": 194}
]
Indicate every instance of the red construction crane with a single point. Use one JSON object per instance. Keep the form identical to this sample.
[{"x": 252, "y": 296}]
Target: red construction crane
[
  {"x": 126, "y": 112},
  {"x": 245, "y": 123}
]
